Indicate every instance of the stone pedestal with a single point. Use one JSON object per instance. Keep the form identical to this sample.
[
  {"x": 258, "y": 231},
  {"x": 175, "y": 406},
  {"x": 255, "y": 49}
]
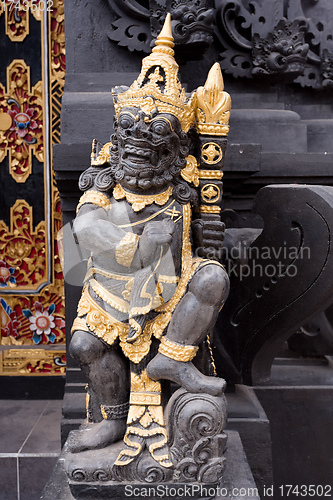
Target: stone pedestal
[{"x": 237, "y": 482}]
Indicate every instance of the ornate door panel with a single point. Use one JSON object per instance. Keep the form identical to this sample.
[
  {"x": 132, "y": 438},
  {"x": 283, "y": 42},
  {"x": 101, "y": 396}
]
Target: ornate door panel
[{"x": 32, "y": 71}]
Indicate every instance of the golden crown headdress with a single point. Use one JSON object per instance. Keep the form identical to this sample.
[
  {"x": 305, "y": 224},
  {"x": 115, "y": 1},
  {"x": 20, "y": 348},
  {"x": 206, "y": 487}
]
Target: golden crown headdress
[{"x": 158, "y": 85}]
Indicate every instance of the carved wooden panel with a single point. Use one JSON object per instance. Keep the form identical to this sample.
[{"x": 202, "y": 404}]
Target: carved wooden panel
[{"x": 32, "y": 71}]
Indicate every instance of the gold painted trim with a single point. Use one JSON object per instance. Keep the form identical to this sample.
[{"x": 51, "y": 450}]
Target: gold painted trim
[
  {"x": 126, "y": 248},
  {"x": 18, "y": 362},
  {"x": 110, "y": 298},
  {"x": 109, "y": 328},
  {"x": 87, "y": 404},
  {"x": 103, "y": 412},
  {"x": 103, "y": 156},
  {"x": 139, "y": 201},
  {"x": 135, "y": 447},
  {"x": 143, "y": 221},
  {"x": 79, "y": 324},
  {"x": 211, "y": 355},
  {"x": 187, "y": 271},
  {"x": 19, "y": 152},
  {"x": 210, "y": 174},
  {"x": 176, "y": 351},
  {"x": 209, "y": 210},
  {"x": 213, "y": 129},
  {"x": 120, "y": 277},
  {"x": 96, "y": 198},
  {"x": 98, "y": 320},
  {"x": 95, "y": 270},
  {"x": 145, "y": 398}
]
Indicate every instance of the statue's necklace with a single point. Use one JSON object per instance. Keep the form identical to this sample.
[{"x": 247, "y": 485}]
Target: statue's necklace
[{"x": 140, "y": 201}]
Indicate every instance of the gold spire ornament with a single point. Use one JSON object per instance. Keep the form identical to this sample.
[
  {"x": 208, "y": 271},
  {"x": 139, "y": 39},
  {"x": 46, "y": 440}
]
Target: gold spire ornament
[
  {"x": 213, "y": 105},
  {"x": 158, "y": 86}
]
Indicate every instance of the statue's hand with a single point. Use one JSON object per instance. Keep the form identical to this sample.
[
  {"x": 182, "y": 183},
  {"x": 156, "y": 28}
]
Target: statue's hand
[
  {"x": 208, "y": 238},
  {"x": 155, "y": 236}
]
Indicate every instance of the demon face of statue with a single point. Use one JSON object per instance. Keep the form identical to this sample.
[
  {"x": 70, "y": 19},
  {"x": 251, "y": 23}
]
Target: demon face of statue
[{"x": 149, "y": 149}]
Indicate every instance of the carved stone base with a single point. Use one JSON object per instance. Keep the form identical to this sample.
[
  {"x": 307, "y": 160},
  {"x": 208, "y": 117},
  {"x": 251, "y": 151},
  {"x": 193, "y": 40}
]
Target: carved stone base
[
  {"x": 196, "y": 444},
  {"x": 237, "y": 475}
]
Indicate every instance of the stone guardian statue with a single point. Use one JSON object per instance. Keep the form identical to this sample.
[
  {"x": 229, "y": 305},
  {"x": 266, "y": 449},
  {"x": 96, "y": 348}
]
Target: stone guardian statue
[{"x": 148, "y": 216}]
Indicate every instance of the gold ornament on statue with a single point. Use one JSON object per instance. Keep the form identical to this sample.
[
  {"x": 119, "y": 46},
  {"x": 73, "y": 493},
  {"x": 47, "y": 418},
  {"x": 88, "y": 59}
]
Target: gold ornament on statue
[
  {"x": 213, "y": 105},
  {"x": 157, "y": 86}
]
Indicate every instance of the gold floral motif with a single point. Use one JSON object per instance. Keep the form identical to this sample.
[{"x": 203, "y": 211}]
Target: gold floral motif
[
  {"x": 126, "y": 249},
  {"x": 136, "y": 327},
  {"x": 26, "y": 107},
  {"x": 20, "y": 149},
  {"x": 140, "y": 201},
  {"x": 96, "y": 198},
  {"x": 33, "y": 362},
  {"x": 103, "y": 155},
  {"x": 210, "y": 193},
  {"x": 21, "y": 244},
  {"x": 137, "y": 350},
  {"x": 16, "y": 21},
  {"x": 98, "y": 320},
  {"x": 191, "y": 173},
  {"x": 177, "y": 351},
  {"x": 213, "y": 105},
  {"x": 211, "y": 153},
  {"x": 145, "y": 419},
  {"x": 148, "y": 95},
  {"x": 142, "y": 383},
  {"x": 109, "y": 328}
]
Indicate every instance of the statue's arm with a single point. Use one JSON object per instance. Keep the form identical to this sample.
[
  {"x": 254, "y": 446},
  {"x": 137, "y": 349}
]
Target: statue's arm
[
  {"x": 94, "y": 232},
  {"x": 97, "y": 234}
]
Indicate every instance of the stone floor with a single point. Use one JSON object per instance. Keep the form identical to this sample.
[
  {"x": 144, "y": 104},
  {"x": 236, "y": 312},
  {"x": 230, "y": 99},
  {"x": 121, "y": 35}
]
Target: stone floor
[{"x": 29, "y": 446}]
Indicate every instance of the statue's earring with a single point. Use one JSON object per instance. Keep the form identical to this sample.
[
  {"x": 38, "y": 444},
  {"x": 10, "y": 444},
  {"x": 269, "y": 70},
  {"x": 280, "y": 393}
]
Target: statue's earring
[{"x": 191, "y": 173}]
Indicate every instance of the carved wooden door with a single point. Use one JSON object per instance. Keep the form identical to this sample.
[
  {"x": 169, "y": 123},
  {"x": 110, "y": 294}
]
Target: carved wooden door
[{"x": 32, "y": 72}]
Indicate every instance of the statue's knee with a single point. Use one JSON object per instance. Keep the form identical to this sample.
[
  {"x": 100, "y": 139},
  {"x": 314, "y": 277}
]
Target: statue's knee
[
  {"x": 85, "y": 348},
  {"x": 210, "y": 284}
]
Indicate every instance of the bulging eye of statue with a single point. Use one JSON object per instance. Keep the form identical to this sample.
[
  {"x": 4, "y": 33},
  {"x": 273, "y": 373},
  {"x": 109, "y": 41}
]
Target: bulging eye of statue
[
  {"x": 126, "y": 121},
  {"x": 160, "y": 127}
]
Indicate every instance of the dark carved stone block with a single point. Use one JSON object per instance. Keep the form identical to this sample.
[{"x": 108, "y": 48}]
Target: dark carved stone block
[
  {"x": 291, "y": 264},
  {"x": 196, "y": 442}
]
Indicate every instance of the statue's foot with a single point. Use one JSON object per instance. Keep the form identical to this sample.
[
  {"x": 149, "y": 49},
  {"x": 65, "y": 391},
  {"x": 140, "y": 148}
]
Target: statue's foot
[
  {"x": 184, "y": 374},
  {"x": 99, "y": 435}
]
